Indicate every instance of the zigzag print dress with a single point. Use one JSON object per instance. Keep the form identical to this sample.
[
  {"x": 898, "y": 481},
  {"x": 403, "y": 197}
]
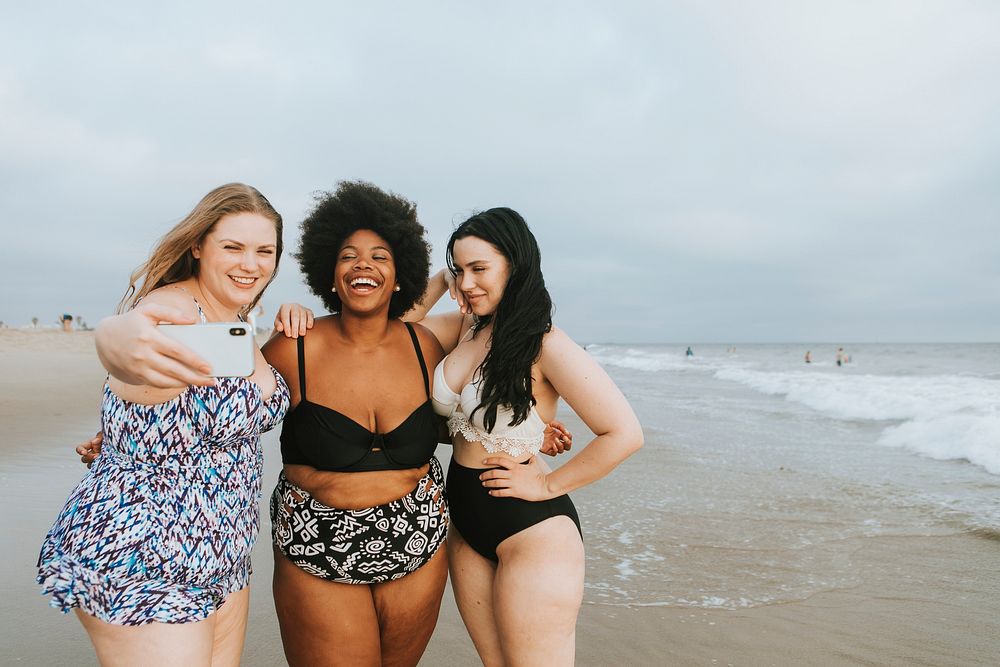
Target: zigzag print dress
[{"x": 162, "y": 526}]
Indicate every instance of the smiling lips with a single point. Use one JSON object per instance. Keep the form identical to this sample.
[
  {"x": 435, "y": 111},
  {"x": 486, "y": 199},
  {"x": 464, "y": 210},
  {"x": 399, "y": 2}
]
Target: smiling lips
[
  {"x": 364, "y": 284},
  {"x": 243, "y": 281}
]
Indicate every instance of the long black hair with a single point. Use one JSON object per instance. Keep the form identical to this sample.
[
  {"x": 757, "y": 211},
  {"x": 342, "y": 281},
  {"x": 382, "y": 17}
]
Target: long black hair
[{"x": 521, "y": 320}]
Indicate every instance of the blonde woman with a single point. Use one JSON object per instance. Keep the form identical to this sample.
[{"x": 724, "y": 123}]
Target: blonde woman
[{"x": 152, "y": 548}]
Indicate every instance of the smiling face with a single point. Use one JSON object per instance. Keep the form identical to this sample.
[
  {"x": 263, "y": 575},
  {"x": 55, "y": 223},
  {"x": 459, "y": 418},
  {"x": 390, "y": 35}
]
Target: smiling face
[
  {"x": 481, "y": 273},
  {"x": 237, "y": 258},
  {"x": 365, "y": 273}
]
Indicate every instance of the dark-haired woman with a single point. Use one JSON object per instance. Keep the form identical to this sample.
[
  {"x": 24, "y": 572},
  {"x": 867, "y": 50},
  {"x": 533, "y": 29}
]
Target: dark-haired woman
[
  {"x": 506, "y": 368},
  {"x": 359, "y": 514}
]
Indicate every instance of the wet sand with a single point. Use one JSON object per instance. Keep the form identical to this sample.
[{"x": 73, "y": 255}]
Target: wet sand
[{"x": 917, "y": 600}]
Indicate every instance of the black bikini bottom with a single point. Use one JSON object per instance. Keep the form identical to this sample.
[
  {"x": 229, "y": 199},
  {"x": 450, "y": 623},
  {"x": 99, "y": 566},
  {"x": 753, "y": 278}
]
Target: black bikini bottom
[
  {"x": 366, "y": 546},
  {"x": 485, "y": 521}
]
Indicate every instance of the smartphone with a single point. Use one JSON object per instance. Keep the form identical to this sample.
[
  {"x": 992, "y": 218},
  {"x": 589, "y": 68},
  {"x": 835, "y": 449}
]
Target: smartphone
[{"x": 228, "y": 347}]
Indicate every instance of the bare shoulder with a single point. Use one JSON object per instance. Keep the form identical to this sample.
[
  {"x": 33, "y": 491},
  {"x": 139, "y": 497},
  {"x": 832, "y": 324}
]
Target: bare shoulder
[
  {"x": 557, "y": 340},
  {"x": 429, "y": 343},
  {"x": 278, "y": 349},
  {"x": 562, "y": 356}
]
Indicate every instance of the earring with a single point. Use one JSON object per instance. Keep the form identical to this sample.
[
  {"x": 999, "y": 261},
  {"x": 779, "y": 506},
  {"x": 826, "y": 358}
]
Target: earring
[
  {"x": 333, "y": 289},
  {"x": 396, "y": 288}
]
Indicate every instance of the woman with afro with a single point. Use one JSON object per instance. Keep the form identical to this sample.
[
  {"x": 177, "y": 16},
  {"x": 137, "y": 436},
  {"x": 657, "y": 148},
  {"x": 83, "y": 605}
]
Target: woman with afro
[{"x": 359, "y": 515}]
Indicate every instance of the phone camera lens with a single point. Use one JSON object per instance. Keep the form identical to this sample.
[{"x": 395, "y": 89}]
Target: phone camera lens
[{"x": 237, "y": 331}]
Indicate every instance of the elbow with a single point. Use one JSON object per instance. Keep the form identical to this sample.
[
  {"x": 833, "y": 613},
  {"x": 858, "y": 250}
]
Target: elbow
[{"x": 636, "y": 439}]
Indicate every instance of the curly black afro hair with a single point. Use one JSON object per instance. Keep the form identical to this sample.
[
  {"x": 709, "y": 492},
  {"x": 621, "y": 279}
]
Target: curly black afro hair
[{"x": 358, "y": 205}]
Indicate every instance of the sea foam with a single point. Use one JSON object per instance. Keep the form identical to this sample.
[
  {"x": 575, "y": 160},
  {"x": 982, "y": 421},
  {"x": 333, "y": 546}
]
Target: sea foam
[{"x": 944, "y": 417}]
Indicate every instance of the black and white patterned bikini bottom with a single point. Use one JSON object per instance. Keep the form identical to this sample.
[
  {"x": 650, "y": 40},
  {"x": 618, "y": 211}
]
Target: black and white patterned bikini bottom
[{"x": 366, "y": 546}]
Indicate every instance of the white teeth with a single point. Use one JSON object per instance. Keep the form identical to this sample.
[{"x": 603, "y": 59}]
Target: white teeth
[
  {"x": 243, "y": 281},
  {"x": 363, "y": 281}
]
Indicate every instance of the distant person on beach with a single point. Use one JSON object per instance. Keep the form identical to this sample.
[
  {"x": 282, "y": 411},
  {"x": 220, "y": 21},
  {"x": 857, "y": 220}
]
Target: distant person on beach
[
  {"x": 689, "y": 353},
  {"x": 67, "y": 322},
  {"x": 152, "y": 549},
  {"x": 809, "y": 358},
  {"x": 840, "y": 356}
]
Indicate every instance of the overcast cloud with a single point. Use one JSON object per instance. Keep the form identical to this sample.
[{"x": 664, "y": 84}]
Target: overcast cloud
[{"x": 694, "y": 171}]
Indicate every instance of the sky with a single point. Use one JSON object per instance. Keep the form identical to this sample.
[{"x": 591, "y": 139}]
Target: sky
[{"x": 694, "y": 171}]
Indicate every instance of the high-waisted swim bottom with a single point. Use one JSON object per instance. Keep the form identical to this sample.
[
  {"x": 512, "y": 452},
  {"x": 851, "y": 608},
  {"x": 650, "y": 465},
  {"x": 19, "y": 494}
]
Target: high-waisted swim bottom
[
  {"x": 365, "y": 546},
  {"x": 484, "y": 521}
]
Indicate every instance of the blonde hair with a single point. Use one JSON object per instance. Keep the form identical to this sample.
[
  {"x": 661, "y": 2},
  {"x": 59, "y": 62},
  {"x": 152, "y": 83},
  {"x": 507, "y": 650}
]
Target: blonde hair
[{"x": 171, "y": 261}]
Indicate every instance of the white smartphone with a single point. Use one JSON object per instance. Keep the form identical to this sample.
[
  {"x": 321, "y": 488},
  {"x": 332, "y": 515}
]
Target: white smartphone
[{"x": 227, "y": 346}]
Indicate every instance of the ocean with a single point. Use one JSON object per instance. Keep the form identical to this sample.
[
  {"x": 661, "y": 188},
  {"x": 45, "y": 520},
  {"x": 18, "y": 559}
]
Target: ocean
[{"x": 760, "y": 472}]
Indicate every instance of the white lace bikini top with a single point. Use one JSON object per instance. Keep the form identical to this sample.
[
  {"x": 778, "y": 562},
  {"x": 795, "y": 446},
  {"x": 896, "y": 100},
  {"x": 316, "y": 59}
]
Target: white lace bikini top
[{"x": 517, "y": 441}]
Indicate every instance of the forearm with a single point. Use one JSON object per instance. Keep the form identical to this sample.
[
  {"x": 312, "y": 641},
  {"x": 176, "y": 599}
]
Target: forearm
[
  {"x": 594, "y": 461},
  {"x": 437, "y": 287}
]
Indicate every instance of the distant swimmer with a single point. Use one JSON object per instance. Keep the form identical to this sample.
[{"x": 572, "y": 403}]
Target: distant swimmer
[
  {"x": 840, "y": 356},
  {"x": 689, "y": 352},
  {"x": 809, "y": 357}
]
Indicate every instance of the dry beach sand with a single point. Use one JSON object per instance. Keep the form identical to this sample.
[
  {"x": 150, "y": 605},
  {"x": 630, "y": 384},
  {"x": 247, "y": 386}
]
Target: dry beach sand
[{"x": 915, "y": 600}]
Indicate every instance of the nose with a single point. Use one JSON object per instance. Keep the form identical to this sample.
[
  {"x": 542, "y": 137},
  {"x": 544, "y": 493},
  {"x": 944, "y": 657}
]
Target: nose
[
  {"x": 249, "y": 261},
  {"x": 466, "y": 281}
]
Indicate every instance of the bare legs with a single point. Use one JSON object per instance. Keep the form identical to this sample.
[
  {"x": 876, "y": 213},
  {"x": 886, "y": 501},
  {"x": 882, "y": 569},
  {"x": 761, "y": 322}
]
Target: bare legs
[
  {"x": 327, "y": 623},
  {"x": 215, "y": 642},
  {"x": 522, "y": 611}
]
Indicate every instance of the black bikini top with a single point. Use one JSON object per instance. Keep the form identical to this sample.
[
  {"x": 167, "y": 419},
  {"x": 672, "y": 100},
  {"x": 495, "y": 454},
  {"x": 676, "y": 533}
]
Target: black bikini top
[{"x": 325, "y": 439}]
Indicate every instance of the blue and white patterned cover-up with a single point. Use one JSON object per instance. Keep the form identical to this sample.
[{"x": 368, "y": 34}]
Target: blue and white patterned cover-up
[{"x": 162, "y": 526}]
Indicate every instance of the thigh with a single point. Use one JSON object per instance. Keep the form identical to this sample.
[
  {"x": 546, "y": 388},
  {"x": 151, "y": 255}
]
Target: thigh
[
  {"x": 408, "y": 609},
  {"x": 324, "y": 622},
  {"x": 472, "y": 583},
  {"x": 230, "y": 629},
  {"x": 538, "y": 591},
  {"x": 153, "y": 644}
]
